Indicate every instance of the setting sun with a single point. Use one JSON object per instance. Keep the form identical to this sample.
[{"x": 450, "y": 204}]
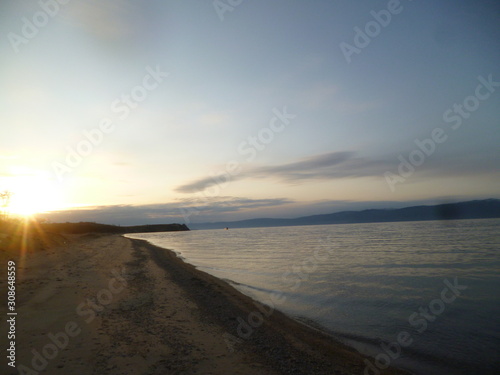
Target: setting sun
[{"x": 32, "y": 194}]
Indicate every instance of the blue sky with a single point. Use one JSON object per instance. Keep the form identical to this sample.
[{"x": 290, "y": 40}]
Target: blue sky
[{"x": 202, "y": 81}]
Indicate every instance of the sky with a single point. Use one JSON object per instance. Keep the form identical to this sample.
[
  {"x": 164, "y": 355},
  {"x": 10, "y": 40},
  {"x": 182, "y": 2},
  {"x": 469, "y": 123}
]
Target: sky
[{"x": 131, "y": 112}]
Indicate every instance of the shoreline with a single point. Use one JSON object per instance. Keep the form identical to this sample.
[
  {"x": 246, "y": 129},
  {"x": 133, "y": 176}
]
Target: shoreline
[
  {"x": 135, "y": 308},
  {"x": 306, "y": 345}
]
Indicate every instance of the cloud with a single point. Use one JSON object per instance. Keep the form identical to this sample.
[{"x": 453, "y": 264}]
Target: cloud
[
  {"x": 318, "y": 167},
  {"x": 109, "y": 20},
  {"x": 201, "y": 210},
  {"x": 116, "y": 27},
  {"x": 201, "y": 184},
  {"x": 349, "y": 164}
]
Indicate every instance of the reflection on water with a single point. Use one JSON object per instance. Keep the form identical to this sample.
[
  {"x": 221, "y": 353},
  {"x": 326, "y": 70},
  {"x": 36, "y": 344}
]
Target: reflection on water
[{"x": 363, "y": 282}]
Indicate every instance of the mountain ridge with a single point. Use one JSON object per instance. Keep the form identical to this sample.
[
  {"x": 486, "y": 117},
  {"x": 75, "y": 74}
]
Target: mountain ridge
[{"x": 474, "y": 209}]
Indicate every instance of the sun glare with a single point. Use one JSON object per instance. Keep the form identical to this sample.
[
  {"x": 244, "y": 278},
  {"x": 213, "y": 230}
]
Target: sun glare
[{"x": 32, "y": 194}]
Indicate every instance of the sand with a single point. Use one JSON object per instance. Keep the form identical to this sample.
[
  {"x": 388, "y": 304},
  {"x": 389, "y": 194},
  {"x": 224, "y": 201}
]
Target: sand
[{"x": 106, "y": 304}]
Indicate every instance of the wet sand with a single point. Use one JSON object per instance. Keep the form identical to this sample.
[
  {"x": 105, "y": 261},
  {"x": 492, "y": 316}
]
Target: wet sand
[{"x": 106, "y": 304}]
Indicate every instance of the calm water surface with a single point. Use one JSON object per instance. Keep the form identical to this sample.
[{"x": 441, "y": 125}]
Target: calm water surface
[{"x": 368, "y": 283}]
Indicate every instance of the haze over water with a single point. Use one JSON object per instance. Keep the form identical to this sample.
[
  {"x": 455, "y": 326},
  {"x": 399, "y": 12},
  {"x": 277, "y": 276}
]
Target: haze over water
[{"x": 367, "y": 283}]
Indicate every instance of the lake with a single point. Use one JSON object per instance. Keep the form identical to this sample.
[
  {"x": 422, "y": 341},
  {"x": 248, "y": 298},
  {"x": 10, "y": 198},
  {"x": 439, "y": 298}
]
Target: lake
[{"x": 417, "y": 295}]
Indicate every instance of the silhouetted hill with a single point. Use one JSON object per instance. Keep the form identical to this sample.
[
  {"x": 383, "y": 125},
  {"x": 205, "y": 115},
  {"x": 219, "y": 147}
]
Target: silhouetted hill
[
  {"x": 85, "y": 227},
  {"x": 478, "y": 209}
]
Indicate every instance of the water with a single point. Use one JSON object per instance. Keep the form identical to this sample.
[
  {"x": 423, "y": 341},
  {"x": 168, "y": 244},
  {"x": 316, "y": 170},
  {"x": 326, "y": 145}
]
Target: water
[{"x": 366, "y": 283}]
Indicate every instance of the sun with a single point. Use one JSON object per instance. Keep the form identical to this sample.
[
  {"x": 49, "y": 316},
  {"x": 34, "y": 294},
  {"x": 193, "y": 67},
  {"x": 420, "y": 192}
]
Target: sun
[{"x": 33, "y": 194}]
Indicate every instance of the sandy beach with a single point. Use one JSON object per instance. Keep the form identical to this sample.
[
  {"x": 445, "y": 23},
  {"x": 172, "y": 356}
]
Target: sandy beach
[{"x": 106, "y": 304}]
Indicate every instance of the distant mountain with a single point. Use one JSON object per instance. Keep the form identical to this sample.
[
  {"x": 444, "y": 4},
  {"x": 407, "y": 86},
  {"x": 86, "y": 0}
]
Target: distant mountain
[{"x": 477, "y": 209}]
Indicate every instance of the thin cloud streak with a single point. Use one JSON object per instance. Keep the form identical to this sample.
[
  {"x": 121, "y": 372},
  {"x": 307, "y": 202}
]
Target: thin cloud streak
[
  {"x": 347, "y": 164},
  {"x": 319, "y": 167},
  {"x": 164, "y": 212}
]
